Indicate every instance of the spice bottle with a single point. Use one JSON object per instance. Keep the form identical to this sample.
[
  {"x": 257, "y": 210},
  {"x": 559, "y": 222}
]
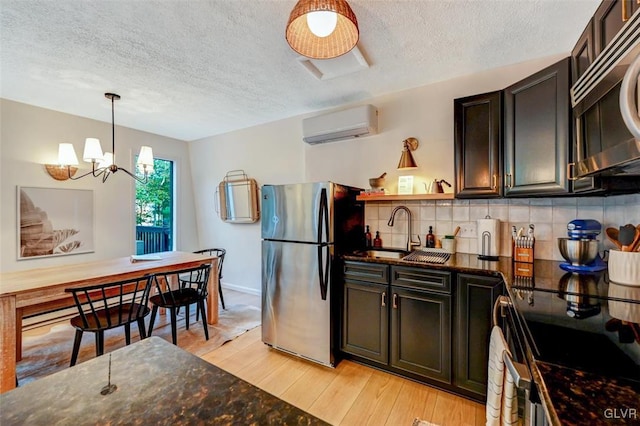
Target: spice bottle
[
  {"x": 377, "y": 241},
  {"x": 430, "y": 239},
  {"x": 367, "y": 238}
]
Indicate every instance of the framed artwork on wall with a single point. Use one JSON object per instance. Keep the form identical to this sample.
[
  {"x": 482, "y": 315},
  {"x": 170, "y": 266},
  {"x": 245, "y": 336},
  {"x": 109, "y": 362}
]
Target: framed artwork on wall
[{"x": 54, "y": 222}]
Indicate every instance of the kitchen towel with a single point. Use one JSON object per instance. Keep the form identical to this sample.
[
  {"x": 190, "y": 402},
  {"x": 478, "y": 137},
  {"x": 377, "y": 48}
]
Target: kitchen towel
[
  {"x": 502, "y": 399},
  {"x": 489, "y": 237}
]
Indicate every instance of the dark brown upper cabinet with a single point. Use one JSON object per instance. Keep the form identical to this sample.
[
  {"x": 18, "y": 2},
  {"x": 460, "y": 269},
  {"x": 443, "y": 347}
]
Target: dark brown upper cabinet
[
  {"x": 609, "y": 18},
  {"x": 537, "y": 133},
  {"x": 582, "y": 54},
  {"x": 478, "y": 143}
]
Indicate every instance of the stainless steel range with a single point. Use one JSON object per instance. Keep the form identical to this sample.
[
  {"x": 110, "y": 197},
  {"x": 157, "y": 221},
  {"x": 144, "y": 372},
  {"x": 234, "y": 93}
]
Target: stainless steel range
[{"x": 584, "y": 322}]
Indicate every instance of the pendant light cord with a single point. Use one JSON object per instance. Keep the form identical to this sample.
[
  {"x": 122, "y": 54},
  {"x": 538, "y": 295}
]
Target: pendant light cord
[{"x": 113, "y": 130}]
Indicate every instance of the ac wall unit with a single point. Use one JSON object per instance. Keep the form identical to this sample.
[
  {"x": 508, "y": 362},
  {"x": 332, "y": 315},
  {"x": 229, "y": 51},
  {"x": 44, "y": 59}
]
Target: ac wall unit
[{"x": 346, "y": 124}]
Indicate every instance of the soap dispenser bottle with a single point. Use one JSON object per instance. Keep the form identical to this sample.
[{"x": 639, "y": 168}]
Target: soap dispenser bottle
[
  {"x": 377, "y": 241},
  {"x": 430, "y": 239},
  {"x": 367, "y": 238}
]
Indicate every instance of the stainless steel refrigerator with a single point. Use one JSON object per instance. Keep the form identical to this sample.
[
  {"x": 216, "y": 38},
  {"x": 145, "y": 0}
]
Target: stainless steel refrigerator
[{"x": 305, "y": 229}]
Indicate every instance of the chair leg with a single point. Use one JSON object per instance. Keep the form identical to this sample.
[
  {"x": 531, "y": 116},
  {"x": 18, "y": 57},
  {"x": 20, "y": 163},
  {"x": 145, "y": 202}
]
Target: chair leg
[
  {"x": 127, "y": 334},
  {"x": 76, "y": 347},
  {"x": 99, "y": 343},
  {"x": 204, "y": 319},
  {"x": 220, "y": 293},
  {"x": 188, "y": 309},
  {"x": 154, "y": 311},
  {"x": 174, "y": 327},
  {"x": 141, "y": 329}
]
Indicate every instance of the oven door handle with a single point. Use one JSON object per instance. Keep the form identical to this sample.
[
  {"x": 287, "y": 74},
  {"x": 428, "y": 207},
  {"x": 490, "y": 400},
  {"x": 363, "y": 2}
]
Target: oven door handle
[{"x": 518, "y": 371}]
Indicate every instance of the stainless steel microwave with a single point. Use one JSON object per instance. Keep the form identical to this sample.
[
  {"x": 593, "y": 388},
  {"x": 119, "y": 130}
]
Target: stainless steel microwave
[{"x": 605, "y": 107}]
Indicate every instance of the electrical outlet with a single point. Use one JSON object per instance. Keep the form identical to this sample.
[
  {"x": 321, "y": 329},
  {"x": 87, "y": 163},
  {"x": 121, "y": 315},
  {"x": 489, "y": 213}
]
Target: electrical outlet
[{"x": 467, "y": 230}]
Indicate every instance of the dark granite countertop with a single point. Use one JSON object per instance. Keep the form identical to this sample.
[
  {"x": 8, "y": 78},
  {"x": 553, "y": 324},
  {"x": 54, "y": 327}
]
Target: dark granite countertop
[
  {"x": 157, "y": 383},
  {"x": 567, "y": 394}
]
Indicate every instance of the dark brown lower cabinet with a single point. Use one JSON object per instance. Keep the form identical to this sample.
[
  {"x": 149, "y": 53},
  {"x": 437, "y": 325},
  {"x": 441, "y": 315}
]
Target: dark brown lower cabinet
[
  {"x": 430, "y": 325},
  {"x": 475, "y": 296},
  {"x": 365, "y": 325},
  {"x": 421, "y": 333}
]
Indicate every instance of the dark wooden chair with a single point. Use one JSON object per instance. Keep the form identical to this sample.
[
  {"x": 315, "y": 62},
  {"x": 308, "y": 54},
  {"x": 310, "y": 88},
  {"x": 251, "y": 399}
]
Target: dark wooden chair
[
  {"x": 105, "y": 306},
  {"x": 172, "y": 294},
  {"x": 220, "y": 253}
]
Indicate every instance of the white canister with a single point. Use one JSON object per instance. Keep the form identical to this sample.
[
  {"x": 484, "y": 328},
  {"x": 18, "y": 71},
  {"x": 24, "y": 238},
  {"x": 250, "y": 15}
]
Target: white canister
[
  {"x": 449, "y": 244},
  {"x": 624, "y": 267},
  {"x": 489, "y": 237}
]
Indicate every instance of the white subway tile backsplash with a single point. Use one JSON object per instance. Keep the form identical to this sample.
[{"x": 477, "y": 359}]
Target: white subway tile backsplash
[
  {"x": 460, "y": 213},
  {"x": 499, "y": 211},
  {"x": 428, "y": 212},
  {"x": 517, "y": 201},
  {"x": 399, "y": 240},
  {"x": 544, "y": 249},
  {"x": 540, "y": 214},
  {"x": 518, "y": 213},
  {"x": 370, "y": 212},
  {"x": 384, "y": 212},
  {"x": 443, "y": 227},
  {"x": 543, "y": 232},
  {"x": 564, "y": 213},
  {"x": 590, "y": 201},
  {"x": 478, "y": 211},
  {"x": 614, "y": 216},
  {"x": 549, "y": 215},
  {"x": 463, "y": 245},
  {"x": 568, "y": 201},
  {"x": 444, "y": 213},
  {"x": 541, "y": 202},
  {"x": 595, "y": 212}
]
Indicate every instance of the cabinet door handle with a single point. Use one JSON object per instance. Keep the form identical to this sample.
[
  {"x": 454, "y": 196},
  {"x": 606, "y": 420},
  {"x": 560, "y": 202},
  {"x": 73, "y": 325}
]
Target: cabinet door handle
[
  {"x": 494, "y": 183},
  {"x": 507, "y": 180},
  {"x": 570, "y": 169},
  {"x": 395, "y": 301},
  {"x": 625, "y": 11},
  {"x": 384, "y": 298}
]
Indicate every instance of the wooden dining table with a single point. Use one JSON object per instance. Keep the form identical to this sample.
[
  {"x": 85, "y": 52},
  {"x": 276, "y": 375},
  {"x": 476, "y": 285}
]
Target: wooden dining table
[{"x": 35, "y": 291}]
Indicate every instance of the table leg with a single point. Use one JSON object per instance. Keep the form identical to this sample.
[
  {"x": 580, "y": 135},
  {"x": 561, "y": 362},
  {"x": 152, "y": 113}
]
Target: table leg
[
  {"x": 8, "y": 342},
  {"x": 212, "y": 298},
  {"x": 18, "y": 334}
]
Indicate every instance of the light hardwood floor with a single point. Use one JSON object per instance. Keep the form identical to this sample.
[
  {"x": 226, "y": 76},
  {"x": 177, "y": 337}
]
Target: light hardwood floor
[{"x": 350, "y": 394}]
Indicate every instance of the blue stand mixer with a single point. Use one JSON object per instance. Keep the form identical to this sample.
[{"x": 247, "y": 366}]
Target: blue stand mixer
[{"x": 580, "y": 249}]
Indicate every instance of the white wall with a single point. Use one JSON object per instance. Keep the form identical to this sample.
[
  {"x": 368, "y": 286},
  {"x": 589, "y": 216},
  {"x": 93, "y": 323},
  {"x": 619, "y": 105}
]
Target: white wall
[
  {"x": 274, "y": 153},
  {"x": 29, "y": 138}
]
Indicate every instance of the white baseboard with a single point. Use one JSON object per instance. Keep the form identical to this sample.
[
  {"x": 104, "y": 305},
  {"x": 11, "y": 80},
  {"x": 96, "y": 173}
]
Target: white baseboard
[{"x": 241, "y": 289}]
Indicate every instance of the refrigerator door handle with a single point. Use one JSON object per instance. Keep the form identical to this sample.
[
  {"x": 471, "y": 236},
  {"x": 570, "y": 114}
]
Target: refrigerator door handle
[
  {"x": 323, "y": 271},
  {"x": 323, "y": 216}
]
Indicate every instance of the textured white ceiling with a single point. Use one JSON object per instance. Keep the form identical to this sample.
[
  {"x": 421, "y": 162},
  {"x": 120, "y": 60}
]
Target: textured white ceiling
[{"x": 189, "y": 69}]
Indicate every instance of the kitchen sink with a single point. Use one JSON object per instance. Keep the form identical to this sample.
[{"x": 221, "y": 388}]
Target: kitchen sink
[{"x": 381, "y": 253}]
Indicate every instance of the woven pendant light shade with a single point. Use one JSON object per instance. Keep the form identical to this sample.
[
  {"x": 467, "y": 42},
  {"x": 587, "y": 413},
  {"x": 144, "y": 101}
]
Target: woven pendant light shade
[{"x": 340, "y": 41}]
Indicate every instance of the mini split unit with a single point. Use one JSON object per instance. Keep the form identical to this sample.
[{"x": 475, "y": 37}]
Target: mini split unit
[{"x": 346, "y": 124}]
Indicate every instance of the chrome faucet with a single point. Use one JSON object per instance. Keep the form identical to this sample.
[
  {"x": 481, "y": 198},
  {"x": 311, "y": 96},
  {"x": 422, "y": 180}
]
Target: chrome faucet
[{"x": 410, "y": 243}]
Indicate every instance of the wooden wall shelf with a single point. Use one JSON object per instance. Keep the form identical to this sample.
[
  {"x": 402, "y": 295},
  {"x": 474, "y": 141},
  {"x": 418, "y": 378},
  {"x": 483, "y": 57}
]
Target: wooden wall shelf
[{"x": 407, "y": 197}]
